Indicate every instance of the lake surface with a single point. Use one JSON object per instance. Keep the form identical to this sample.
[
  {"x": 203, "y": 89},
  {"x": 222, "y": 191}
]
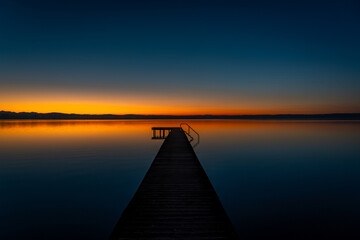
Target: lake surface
[{"x": 72, "y": 179}]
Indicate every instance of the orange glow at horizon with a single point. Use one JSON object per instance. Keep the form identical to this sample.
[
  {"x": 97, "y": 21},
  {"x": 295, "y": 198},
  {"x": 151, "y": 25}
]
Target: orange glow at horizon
[
  {"x": 91, "y": 108},
  {"x": 161, "y": 104}
]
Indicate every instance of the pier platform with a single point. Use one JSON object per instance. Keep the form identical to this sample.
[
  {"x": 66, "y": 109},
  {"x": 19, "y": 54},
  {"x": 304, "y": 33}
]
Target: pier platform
[{"x": 175, "y": 200}]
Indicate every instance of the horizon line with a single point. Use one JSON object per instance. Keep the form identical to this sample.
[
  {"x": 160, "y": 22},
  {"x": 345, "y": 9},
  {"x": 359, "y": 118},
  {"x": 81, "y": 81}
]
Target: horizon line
[
  {"x": 57, "y": 115},
  {"x": 207, "y": 114}
]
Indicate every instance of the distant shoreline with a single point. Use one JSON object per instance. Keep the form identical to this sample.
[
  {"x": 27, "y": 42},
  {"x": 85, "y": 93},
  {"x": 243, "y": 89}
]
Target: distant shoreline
[{"x": 6, "y": 115}]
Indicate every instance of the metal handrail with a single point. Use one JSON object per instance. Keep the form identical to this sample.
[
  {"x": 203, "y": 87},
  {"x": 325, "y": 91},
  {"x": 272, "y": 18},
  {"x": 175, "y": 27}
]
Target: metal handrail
[{"x": 189, "y": 133}]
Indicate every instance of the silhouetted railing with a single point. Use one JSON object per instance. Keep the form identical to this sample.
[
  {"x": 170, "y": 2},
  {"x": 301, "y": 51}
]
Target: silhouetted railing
[
  {"x": 161, "y": 132},
  {"x": 188, "y": 133}
]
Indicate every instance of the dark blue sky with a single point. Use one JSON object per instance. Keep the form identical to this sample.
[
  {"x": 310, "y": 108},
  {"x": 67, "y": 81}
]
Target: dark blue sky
[{"x": 214, "y": 56}]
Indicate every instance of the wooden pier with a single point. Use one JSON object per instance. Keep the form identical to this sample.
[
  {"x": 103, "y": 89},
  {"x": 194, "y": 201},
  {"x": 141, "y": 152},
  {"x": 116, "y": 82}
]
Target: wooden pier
[{"x": 175, "y": 199}]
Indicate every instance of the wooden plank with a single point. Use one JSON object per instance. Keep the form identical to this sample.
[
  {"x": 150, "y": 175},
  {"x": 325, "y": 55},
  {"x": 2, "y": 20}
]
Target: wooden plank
[{"x": 175, "y": 199}]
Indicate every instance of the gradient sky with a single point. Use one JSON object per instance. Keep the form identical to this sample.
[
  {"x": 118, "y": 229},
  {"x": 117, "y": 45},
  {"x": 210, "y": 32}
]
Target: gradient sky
[{"x": 180, "y": 57}]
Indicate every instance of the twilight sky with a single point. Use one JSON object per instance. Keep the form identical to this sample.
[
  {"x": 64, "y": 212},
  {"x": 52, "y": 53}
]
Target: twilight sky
[{"x": 180, "y": 57}]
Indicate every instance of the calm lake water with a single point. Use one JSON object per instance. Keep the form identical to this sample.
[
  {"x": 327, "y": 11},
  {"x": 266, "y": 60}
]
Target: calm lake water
[{"x": 279, "y": 179}]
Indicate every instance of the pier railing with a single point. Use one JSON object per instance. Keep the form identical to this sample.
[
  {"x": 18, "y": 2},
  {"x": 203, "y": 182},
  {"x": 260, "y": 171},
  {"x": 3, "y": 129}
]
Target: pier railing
[
  {"x": 161, "y": 132},
  {"x": 188, "y": 131}
]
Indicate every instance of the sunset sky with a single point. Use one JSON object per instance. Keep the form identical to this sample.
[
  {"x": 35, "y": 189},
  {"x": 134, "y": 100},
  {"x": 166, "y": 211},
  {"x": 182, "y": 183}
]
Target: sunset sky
[{"x": 180, "y": 57}]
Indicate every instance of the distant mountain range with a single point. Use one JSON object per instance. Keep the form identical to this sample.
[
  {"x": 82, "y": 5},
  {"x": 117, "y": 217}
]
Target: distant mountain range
[{"x": 55, "y": 115}]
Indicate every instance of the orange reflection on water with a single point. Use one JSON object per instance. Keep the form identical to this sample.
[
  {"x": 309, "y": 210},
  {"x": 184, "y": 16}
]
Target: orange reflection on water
[
  {"x": 49, "y": 137},
  {"x": 37, "y": 135},
  {"x": 210, "y": 130},
  {"x": 70, "y": 126},
  {"x": 73, "y": 127}
]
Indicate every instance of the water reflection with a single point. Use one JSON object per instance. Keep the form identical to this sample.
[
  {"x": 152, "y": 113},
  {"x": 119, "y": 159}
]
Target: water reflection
[{"x": 281, "y": 179}]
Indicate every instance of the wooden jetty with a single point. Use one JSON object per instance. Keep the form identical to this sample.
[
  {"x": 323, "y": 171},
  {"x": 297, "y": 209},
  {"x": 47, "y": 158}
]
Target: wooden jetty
[{"x": 175, "y": 200}]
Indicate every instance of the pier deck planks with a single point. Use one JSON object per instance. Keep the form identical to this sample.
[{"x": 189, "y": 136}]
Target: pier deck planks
[{"x": 175, "y": 199}]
